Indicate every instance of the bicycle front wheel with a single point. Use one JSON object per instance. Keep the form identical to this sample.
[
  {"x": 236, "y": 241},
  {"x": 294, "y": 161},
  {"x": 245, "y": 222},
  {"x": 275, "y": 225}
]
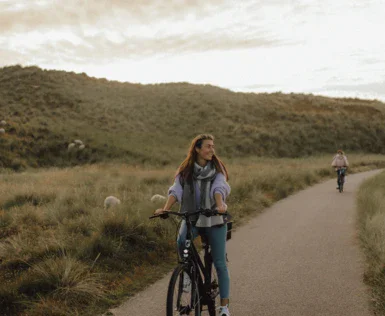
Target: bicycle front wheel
[{"x": 183, "y": 293}]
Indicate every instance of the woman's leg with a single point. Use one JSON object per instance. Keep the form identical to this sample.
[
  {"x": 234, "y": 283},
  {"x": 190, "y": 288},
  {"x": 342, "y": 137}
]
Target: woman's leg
[
  {"x": 181, "y": 240},
  {"x": 217, "y": 240}
]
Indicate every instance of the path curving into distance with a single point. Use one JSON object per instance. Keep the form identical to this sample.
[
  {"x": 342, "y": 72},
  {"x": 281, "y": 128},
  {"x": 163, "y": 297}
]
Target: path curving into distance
[{"x": 299, "y": 258}]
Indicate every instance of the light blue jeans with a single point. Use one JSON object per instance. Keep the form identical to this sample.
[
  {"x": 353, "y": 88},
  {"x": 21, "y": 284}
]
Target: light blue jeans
[{"x": 217, "y": 239}]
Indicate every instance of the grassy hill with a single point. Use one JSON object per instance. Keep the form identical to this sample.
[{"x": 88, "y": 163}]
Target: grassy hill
[{"x": 151, "y": 124}]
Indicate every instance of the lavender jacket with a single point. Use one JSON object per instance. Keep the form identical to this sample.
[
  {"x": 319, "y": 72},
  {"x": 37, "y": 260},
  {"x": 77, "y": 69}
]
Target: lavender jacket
[{"x": 219, "y": 185}]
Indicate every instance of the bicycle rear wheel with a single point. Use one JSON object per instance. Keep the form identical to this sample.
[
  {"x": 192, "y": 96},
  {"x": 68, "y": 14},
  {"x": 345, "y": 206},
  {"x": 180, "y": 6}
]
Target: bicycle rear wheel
[
  {"x": 342, "y": 181},
  {"x": 183, "y": 294}
]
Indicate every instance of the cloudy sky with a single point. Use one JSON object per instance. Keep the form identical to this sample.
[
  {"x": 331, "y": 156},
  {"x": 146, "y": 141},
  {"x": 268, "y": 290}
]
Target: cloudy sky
[{"x": 324, "y": 47}]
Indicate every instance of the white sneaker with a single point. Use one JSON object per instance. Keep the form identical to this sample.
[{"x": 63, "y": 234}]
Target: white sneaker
[
  {"x": 224, "y": 311},
  {"x": 186, "y": 283}
]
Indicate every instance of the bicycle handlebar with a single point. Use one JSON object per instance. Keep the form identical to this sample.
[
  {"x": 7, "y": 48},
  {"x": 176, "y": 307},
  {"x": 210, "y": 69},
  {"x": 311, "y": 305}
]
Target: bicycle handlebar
[{"x": 206, "y": 212}]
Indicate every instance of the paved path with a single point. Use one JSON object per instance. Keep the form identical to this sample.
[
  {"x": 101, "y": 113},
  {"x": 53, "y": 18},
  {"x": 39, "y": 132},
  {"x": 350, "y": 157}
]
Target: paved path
[{"x": 300, "y": 257}]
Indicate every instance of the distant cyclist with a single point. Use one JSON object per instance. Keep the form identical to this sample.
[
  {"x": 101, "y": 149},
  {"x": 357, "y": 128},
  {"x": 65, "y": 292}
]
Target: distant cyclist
[
  {"x": 340, "y": 164},
  {"x": 201, "y": 182}
]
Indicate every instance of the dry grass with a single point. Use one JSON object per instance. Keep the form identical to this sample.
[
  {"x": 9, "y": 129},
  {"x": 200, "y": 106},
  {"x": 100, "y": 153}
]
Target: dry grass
[
  {"x": 371, "y": 223},
  {"x": 59, "y": 244},
  {"x": 60, "y": 250}
]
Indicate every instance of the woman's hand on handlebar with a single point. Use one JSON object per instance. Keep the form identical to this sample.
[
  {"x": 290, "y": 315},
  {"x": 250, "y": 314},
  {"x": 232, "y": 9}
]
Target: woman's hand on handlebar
[
  {"x": 222, "y": 208},
  {"x": 166, "y": 208},
  {"x": 160, "y": 211}
]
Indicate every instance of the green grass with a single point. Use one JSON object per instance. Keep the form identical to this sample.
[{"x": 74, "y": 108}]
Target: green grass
[
  {"x": 61, "y": 251},
  {"x": 151, "y": 124},
  {"x": 371, "y": 224}
]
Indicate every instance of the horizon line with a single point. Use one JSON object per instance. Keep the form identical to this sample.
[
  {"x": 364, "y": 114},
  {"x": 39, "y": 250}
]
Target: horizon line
[{"x": 345, "y": 94}]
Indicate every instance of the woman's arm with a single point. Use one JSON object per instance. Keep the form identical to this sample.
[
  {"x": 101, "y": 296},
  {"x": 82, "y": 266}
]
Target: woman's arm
[
  {"x": 171, "y": 200},
  {"x": 346, "y": 161},
  {"x": 175, "y": 193},
  {"x": 176, "y": 189},
  {"x": 220, "y": 190},
  {"x": 220, "y": 186},
  {"x": 334, "y": 161},
  {"x": 221, "y": 206}
]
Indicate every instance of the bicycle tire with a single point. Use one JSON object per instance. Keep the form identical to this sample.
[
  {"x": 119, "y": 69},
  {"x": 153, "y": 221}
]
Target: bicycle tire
[
  {"x": 341, "y": 183},
  {"x": 191, "y": 305}
]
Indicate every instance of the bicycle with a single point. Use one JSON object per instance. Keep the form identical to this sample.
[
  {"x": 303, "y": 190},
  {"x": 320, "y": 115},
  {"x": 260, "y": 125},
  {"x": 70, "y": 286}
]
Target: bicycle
[
  {"x": 341, "y": 178},
  {"x": 203, "y": 289}
]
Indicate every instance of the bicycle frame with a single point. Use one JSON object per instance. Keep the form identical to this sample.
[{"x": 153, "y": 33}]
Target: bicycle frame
[
  {"x": 341, "y": 177},
  {"x": 191, "y": 255}
]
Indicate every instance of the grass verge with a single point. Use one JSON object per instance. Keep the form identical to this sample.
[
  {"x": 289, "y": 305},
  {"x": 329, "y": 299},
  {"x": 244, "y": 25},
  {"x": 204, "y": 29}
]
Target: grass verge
[{"x": 371, "y": 223}]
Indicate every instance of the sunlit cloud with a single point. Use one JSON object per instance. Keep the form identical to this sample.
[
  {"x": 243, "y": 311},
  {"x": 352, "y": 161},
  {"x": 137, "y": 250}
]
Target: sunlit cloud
[
  {"x": 114, "y": 29},
  {"x": 100, "y": 48},
  {"x": 27, "y": 15}
]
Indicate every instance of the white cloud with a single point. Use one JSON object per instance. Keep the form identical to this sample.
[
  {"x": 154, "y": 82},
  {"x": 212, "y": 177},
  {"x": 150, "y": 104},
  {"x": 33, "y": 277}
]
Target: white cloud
[{"x": 285, "y": 45}]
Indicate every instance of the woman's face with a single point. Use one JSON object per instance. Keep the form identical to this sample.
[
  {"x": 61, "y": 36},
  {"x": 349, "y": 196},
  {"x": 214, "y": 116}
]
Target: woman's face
[{"x": 207, "y": 150}]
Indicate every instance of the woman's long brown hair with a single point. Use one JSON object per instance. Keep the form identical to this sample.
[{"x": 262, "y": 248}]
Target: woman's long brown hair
[{"x": 186, "y": 168}]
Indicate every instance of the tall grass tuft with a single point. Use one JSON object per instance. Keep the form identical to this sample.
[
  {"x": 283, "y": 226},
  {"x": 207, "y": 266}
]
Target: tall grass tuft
[
  {"x": 371, "y": 224},
  {"x": 65, "y": 279}
]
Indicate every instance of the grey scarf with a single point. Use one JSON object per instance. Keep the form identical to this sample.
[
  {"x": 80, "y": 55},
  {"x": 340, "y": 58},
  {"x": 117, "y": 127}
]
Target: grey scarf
[{"x": 203, "y": 176}]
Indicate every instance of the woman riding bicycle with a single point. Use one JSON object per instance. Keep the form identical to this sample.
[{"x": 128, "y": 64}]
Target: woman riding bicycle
[
  {"x": 201, "y": 182},
  {"x": 340, "y": 162}
]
